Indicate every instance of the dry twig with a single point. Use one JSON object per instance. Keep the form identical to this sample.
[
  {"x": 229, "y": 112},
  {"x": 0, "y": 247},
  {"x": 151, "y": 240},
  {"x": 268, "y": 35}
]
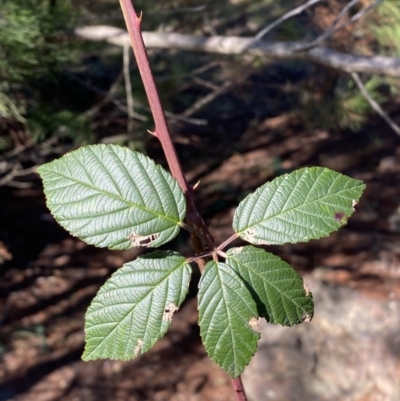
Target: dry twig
[
  {"x": 374, "y": 104},
  {"x": 199, "y": 104},
  {"x": 128, "y": 89},
  {"x": 107, "y": 98},
  {"x": 333, "y": 28},
  {"x": 284, "y": 17}
]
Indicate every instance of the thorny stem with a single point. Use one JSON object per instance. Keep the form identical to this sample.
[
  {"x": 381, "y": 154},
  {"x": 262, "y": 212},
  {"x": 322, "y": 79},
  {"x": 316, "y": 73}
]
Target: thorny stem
[
  {"x": 205, "y": 241},
  {"x": 193, "y": 218}
]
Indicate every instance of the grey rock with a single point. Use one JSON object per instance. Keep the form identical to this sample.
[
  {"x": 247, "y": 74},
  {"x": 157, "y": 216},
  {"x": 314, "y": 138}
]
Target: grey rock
[{"x": 349, "y": 352}]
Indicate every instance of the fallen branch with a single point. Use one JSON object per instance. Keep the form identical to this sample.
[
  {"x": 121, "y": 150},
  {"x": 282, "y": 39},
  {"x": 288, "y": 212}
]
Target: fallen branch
[{"x": 238, "y": 45}]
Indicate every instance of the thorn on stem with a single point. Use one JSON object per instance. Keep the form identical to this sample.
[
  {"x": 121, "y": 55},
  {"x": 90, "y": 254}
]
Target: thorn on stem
[
  {"x": 196, "y": 185},
  {"x": 154, "y": 133}
]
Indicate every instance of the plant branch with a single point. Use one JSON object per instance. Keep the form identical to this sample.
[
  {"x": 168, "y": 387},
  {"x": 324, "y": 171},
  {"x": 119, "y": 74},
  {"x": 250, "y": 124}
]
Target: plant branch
[
  {"x": 199, "y": 256},
  {"x": 239, "y": 389},
  {"x": 109, "y": 96},
  {"x": 383, "y": 65},
  {"x": 128, "y": 89},
  {"x": 333, "y": 28},
  {"x": 199, "y": 104},
  {"x": 227, "y": 242},
  {"x": 161, "y": 131},
  {"x": 193, "y": 218},
  {"x": 284, "y": 17},
  {"x": 375, "y": 105}
]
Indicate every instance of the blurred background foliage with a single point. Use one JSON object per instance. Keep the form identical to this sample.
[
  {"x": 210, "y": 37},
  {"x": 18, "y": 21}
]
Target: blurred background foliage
[
  {"x": 54, "y": 85},
  {"x": 34, "y": 47}
]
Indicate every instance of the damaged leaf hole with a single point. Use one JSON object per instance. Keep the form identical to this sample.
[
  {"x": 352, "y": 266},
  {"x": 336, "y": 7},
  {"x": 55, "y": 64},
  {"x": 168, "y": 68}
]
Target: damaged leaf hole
[
  {"x": 306, "y": 290},
  {"x": 169, "y": 312},
  {"x": 306, "y": 317},
  {"x": 138, "y": 348},
  {"x": 249, "y": 235},
  {"x": 138, "y": 240},
  {"x": 340, "y": 217},
  {"x": 253, "y": 323}
]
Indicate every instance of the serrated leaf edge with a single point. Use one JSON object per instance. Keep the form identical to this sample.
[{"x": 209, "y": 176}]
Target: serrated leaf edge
[
  {"x": 167, "y": 316},
  {"x": 248, "y": 234},
  {"x": 307, "y": 293},
  {"x": 250, "y": 323}
]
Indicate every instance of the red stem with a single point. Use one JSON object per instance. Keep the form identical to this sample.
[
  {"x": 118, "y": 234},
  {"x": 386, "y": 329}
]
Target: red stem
[
  {"x": 133, "y": 24},
  {"x": 161, "y": 129},
  {"x": 239, "y": 389},
  {"x": 227, "y": 242},
  {"x": 206, "y": 241}
]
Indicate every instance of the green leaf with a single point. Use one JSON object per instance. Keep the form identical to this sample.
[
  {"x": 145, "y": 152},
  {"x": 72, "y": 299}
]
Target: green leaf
[
  {"x": 134, "y": 308},
  {"x": 307, "y": 204},
  {"x": 227, "y": 315},
  {"x": 277, "y": 288},
  {"x": 112, "y": 197}
]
